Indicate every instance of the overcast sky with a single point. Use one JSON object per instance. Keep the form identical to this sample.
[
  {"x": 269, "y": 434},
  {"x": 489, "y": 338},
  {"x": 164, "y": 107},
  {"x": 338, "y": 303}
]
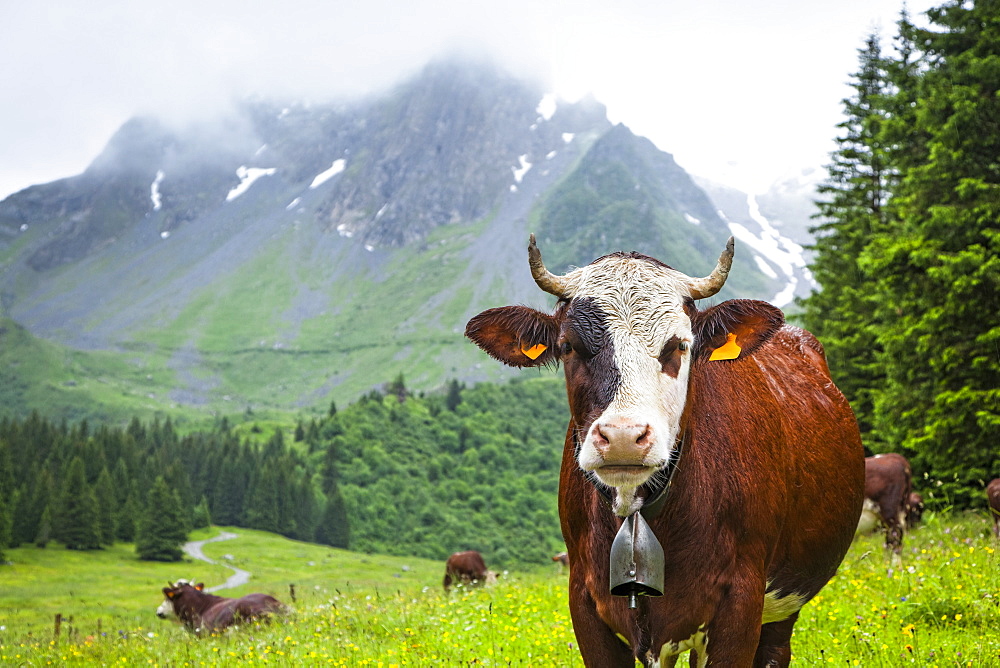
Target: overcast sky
[{"x": 741, "y": 92}]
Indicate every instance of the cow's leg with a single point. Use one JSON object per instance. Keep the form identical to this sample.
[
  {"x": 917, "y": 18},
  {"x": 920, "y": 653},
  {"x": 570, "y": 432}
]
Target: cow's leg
[
  {"x": 599, "y": 645},
  {"x": 775, "y": 647},
  {"x": 893, "y": 529},
  {"x": 733, "y": 633}
]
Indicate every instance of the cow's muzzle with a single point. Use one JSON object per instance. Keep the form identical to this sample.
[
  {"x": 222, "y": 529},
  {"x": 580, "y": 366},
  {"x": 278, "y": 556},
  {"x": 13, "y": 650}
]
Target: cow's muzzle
[{"x": 620, "y": 452}]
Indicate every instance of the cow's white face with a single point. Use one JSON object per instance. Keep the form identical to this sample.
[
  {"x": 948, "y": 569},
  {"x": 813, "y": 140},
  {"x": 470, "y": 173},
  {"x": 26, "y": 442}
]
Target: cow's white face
[
  {"x": 623, "y": 332},
  {"x": 625, "y": 345},
  {"x": 166, "y": 610}
]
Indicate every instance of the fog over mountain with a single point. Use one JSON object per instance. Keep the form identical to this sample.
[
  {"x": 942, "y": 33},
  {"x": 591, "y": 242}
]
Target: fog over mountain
[{"x": 743, "y": 93}]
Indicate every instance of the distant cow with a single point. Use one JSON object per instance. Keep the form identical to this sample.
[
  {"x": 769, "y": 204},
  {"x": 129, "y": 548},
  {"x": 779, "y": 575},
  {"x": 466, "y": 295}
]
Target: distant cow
[
  {"x": 993, "y": 495},
  {"x": 207, "y": 613},
  {"x": 562, "y": 559},
  {"x": 467, "y": 568},
  {"x": 887, "y": 493},
  {"x": 712, "y": 474}
]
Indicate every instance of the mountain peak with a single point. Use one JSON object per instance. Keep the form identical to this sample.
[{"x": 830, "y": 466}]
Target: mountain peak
[{"x": 301, "y": 250}]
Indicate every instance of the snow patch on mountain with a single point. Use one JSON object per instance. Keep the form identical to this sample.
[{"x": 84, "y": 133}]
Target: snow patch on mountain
[
  {"x": 248, "y": 175},
  {"x": 154, "y": 190},
  {"x": 547, "y": 106},
  {"x": 520, "y": 171},
  {"x": 765, "y": 268},
  {"x": 772, "y": 246},
  {"x": 336, "y": 168}
]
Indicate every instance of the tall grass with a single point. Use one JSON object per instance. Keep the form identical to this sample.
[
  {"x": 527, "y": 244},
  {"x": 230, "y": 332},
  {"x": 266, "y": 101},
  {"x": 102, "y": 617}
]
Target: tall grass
[{"x": 939, "y": 606}]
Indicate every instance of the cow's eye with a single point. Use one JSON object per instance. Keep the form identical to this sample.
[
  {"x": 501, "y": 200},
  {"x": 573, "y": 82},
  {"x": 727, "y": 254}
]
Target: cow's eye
[
  {"x": 670, "y": 357},
  {"x": 566, "y": 347}
]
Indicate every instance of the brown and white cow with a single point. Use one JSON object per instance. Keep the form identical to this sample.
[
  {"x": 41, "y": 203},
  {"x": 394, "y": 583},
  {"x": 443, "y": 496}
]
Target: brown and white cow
[
  {"x": 993, "y": 497},
  {"x": 468, "y": 568},
  {"x": 888, "y": 484},
  {"x": 201, "y": 612},
  {"x": 726, "y": 421},
  {"x": 562, "y": 559}
]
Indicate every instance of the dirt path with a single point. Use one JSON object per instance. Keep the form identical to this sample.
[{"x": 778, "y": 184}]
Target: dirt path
[{"x": 194, "y": 550}]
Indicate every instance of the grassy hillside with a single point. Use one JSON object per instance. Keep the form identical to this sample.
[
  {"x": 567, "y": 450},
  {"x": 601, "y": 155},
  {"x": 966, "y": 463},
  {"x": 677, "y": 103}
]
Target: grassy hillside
[
  {"x": 112, "y": 589},
  {"x": 63, "y": 383},
  {"x": 937, "y": 609},
  {"x": 296, "y": 325}
]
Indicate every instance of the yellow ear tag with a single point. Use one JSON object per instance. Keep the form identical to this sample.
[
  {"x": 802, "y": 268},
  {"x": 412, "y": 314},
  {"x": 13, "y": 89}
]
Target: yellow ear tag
[
  {"x": 727, "y": 351},
  {"x": 534, "y": 351}
]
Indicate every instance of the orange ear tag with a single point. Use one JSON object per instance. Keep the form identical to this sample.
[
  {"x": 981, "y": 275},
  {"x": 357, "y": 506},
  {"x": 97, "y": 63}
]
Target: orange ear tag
[
  {"x": 728, "y": 350},
  {"x": 534, "y": 351}
]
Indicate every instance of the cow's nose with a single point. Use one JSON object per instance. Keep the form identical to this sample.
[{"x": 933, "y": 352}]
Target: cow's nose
[
  {"x": 160, "y": 615},
  {"x": 623, "y": 443}
]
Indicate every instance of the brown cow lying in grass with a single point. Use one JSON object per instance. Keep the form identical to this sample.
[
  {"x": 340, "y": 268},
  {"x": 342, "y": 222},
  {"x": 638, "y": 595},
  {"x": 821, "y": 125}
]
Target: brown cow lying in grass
[{"x": 207, "y": 613}]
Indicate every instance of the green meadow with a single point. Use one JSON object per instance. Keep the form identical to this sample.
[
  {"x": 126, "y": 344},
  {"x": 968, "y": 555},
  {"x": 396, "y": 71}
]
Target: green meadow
[{"x": 939, "y": 606}]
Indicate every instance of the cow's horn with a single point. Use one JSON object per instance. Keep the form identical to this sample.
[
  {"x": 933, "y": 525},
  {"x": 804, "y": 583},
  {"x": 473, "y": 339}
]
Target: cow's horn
[
  {"x": 706, "y": 287},
  {"x": 554, "y": 285}
]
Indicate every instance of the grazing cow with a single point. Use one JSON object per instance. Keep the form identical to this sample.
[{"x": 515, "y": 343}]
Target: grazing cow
[
  {"x": 467, "y": 568},
  {"x": 201, "y": 612},
  {"x": 887, "y": 493},
  {"x": 712, "y": 474},
  {"x": 914, "y": 509},
  {"x": 562, "y": 559},
  {"x": 993, "y": 496}
]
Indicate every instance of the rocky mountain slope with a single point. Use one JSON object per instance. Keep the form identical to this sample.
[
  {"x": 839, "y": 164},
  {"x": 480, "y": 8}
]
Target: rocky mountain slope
[{"x": 296, "y": 253}]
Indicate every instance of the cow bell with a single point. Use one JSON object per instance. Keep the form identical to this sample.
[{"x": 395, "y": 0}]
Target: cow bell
[{"x": 636, "y": 561}]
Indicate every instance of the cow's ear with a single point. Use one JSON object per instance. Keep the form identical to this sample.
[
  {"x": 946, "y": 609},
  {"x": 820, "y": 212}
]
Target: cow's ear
[
  {"x": 169, "y": 593},
  {"x": 516, "y": 335},
  {"x": 735, "y": 329},
  {"x": 200, "y": 586}
]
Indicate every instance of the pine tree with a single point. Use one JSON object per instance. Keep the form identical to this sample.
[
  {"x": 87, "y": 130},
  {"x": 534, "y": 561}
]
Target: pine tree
[
  {"x": 230, "y": 490},
  {"x": 36, "y": 495},
  {"x": 265, "y": 503},
  {"x": 162, "y": 529},
  {"x": 853, "y": 208},
  {"x": 20, "y": 515},
  {"x": 128, "y": 513},
  {"x": 44, "y": 534},
  {"x": 328, "y": 469},
  {"x": 454, "y": 397},
  {"x": 398, "y": 389},
  {"x": 76, "y": 513},
  {"x": 8, "y": 497},
  {"x": 125, "y": 502},
  {"x": 937, "y": 271},
  {"x": 201, "y": 518},
  {"x": 334, "y": 528},
  {"x": 107, "y": 507}
]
